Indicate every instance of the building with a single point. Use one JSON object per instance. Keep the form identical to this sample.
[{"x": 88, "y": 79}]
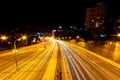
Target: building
[
  {"x": 95, "y": 18},
  {"x": 90, "y": 18},
  {"x": 116, "y": 28}
]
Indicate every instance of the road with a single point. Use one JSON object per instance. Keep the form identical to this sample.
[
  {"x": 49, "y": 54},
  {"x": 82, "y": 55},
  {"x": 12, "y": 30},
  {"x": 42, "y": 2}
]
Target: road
[
  {"x": 85, "y": 66},
  {"x": 58, "y": 61}
]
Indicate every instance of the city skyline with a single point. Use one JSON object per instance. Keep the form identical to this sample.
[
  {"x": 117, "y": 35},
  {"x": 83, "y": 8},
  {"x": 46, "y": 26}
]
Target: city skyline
[{"x": 51, "y": 14}]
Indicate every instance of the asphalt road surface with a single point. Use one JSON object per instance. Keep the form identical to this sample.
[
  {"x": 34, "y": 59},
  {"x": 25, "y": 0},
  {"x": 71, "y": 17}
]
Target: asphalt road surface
[{"x": 58, "y": 61}]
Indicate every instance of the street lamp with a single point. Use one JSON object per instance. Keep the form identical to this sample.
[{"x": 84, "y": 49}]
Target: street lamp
[
  {"x": 24, "y": 37},
  {"x": 53, "y": 33},
  {"x": 118, "y": 34},
  {"x": 4, "y": 37}
]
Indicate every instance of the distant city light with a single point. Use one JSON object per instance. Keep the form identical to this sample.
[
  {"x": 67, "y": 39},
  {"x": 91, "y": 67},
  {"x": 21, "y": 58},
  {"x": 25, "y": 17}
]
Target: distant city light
[
  {"x": 60, "y": 27},
  {"x": 85, "y": 24},
  {"x": 102, "y": 35},
  {"x": 38, "y": 33},
  {"x": 71, "y": 27},
  {"x": 92, "y": 20}
]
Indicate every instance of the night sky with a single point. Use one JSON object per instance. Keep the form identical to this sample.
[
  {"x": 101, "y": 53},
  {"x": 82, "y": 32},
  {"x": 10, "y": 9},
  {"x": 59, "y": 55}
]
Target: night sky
[{"x": 49, "y": 14}]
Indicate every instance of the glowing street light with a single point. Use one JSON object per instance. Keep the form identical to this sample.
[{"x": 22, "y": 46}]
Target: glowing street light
[
  {"x": 15, "y": 51},
  {"x": 4, "y": 37},
  {"x": 24, "y": 37},
  {"x": 77, "y": 37},
  {"x": 53, "y": 33},
  {"x": 118, "y": 34}
]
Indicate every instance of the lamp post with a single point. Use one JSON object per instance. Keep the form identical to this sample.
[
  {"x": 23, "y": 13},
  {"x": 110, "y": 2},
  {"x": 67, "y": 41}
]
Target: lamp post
[
  {"x": 15, "y": 54},
  {"x": 53, "y": 33},
  {"x": 118, "y": 34},
  {"x": 24, "y": 37},
  {"x": 3, "y": 38}
]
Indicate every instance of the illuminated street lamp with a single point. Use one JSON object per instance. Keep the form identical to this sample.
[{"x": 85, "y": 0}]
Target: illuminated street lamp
[
  {"x": 118, "y": 34},
  {"x": 24, "y": 37},
  {"x": 53, "y": 33},
  {"x": 4, "y": 37},
  {"x": 77, "y": 37}
]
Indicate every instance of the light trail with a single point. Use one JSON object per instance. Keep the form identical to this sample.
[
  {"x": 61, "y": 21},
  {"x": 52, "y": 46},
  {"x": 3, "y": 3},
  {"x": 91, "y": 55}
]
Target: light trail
[
  {"x": 32, "y": 67},
  {"x": 58, "y": 61},
  {"x": 76, "y": 57},
  {"x": 66, "y": 68},
  {"x": 70, "y": 60},
  {"x": 84, "y": 66},
  {"x": 103, "y": 71},
  {"x": 50, "y": 71},
  {"x": 22, "y": 63},
  {"x": 95, "y": 65}
]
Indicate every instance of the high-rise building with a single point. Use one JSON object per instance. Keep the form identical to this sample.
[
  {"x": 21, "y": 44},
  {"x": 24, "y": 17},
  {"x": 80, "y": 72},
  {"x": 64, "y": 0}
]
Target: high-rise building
[
  {"x": 116, "y": 28},
  {"x": 95, "y": 18},
  {"x": 90, "y": 18}
]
